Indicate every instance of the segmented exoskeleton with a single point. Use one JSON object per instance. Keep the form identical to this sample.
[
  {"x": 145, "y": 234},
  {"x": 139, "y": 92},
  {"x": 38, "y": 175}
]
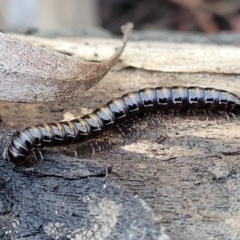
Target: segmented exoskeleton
[{"x": 116, "y": 111}]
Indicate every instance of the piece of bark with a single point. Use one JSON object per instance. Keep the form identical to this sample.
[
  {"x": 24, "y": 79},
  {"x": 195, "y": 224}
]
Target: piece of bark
[
  {"x": 33, "y": 74},
  {"x": 70, "y": 198},
  {"x": 152, "y": 55}
]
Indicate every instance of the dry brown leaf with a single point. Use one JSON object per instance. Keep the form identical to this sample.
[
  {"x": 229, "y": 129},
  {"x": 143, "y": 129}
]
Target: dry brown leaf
[{"x": 33, "y": 74}]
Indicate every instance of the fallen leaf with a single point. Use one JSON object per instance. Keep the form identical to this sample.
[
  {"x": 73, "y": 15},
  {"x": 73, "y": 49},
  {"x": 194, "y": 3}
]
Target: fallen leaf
[{"x": 33, "y": 74}]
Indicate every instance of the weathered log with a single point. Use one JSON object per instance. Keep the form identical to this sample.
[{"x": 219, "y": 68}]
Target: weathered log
[
  {"x": 70, "y": 198},
  {"x": 186, "y": 168}
]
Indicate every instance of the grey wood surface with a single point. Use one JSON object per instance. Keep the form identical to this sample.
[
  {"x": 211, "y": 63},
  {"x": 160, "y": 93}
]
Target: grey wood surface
[
  {"x": 186, "y": 169},
  {"x": 70, "y": 198}
]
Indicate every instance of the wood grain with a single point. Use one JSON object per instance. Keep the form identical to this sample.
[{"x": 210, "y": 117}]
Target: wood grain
[
  {"x": 185, "y": 168},
  {"x": 152, "y": 55}
]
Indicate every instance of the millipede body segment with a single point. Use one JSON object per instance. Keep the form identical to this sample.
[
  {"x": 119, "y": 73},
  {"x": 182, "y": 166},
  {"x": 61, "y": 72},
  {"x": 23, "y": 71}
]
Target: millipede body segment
[{"x": 116, "y": 111}]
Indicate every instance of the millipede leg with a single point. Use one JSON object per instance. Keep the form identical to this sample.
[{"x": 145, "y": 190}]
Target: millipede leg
[
  {"x": 121, "y": 131},
  {"x": 40, "y": 153},
  {"x": 93, "y": 150},
  {"x": 163, "y": 121},
  {"x": 157, "y": 122},
  {"x": 4, "y": 153},
  {"x": 34, "y": 155},
  {"x": 98, "y": 146},
  {"x": 233, "y": 115}
]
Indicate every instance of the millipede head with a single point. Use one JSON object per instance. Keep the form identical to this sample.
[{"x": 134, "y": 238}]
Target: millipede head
[{"x": 16, "y": 156}]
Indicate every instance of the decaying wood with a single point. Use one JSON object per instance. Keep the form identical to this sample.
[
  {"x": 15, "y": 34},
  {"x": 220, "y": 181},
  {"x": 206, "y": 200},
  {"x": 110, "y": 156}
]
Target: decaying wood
[
  {"x": 64, "y": 198},
  {"x": 152, "y": 55},
  {"x": 33, "y": 74},
  {"x": 185, "y": 168}
]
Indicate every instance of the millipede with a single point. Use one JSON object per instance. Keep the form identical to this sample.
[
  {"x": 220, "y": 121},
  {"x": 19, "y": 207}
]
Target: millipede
[{"x": 118, "y": 110}]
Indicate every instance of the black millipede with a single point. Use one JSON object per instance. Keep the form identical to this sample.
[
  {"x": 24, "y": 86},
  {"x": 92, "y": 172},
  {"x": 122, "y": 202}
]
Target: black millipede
[{"x": 116, "y": 111}]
